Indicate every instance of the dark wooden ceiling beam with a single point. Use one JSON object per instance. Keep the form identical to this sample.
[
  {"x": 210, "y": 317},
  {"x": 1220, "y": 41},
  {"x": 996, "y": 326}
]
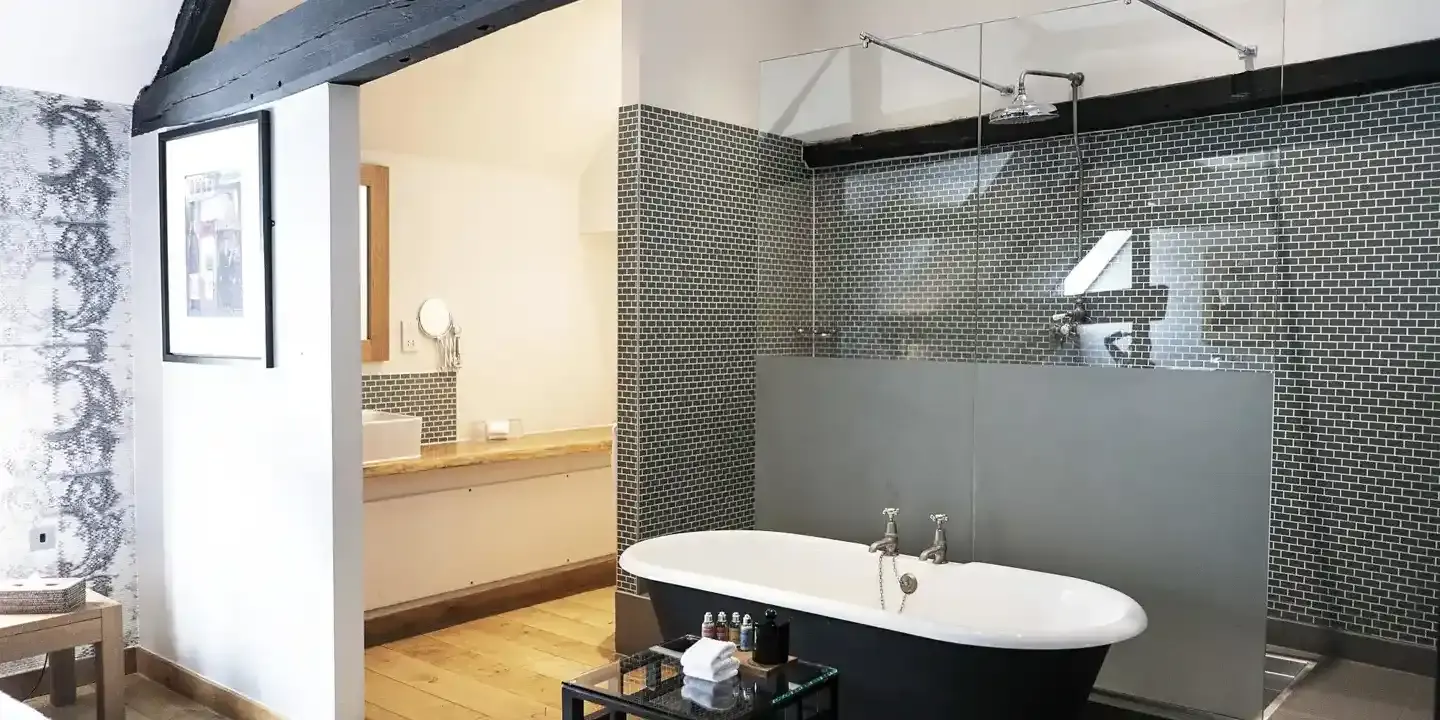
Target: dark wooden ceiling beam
[
  {"x": 325, "y": 41},
  {"x": 197, "y": 27}
]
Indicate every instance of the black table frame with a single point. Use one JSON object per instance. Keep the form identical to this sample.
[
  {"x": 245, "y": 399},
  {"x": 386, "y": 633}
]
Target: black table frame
[{"x": 573, "y": 701}]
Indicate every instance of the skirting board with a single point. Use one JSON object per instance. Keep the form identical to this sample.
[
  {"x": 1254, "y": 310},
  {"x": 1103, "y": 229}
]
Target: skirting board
[
  {"x": 185, "y": 683},
  {"x": 1334, "y": 643},
  {"x": 442, "y": 611},
  {"x": 17, "y": 685}
]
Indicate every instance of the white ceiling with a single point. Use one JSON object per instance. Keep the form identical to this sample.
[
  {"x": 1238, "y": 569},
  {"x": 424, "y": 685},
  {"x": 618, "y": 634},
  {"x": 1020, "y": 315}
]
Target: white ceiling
[{"x": 99, "y": 49}]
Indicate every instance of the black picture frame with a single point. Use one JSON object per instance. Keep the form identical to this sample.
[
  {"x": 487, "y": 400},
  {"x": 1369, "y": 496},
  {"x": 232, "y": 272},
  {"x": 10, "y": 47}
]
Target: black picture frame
[{"x": 260, "y": 118}]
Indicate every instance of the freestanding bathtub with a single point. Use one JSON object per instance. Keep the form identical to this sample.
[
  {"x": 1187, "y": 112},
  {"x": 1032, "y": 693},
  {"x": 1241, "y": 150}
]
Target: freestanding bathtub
[{"x": 974, "y": 640}]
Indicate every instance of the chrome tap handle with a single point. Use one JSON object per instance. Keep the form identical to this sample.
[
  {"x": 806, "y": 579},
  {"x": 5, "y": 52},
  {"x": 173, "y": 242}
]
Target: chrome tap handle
[
  {"x": 892, "y": 531},
  {"x": 940, "y": 519}
]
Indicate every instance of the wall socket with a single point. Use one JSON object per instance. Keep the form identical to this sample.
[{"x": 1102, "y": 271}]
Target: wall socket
[
  {"x": 408, "y": 342},
  {"x": 42, "y": 537}
]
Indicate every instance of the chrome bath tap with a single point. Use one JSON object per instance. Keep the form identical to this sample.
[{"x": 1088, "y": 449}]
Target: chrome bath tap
[
  {"x": 936, "y": 552},
  {"x": 890, "y": 544}
]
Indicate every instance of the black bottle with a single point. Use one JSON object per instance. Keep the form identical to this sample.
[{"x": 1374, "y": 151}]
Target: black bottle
[{"x": 772, "y": 640}]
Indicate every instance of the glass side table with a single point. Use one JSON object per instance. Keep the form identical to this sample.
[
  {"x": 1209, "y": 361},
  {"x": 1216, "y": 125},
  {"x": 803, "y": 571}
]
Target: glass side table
[{"x": 651, "y": 685}]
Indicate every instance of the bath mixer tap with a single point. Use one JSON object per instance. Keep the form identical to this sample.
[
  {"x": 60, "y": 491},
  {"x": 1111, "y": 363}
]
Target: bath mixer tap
[
  {"x": 936, "y": 552},
  {"x": 890, "y": 544}
]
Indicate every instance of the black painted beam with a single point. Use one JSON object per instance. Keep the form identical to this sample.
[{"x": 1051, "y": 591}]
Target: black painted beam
[
  {"x": 1356, "y": 74},
  {"x": 197, "y": 27},
  {"x": 322, "y": 41}
]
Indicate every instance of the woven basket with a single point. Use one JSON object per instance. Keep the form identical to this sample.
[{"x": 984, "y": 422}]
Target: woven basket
[{"x": 41, "y": 596}]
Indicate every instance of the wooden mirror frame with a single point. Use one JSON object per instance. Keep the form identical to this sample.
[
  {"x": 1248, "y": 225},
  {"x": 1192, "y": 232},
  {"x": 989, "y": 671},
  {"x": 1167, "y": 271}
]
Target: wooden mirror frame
[{"x": 376, "y": 345}]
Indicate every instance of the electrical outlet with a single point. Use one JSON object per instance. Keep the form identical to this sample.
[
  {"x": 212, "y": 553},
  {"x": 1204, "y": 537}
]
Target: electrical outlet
[
  {"x": 42, "y": 537},
  {"x": 407, "y": 337}
]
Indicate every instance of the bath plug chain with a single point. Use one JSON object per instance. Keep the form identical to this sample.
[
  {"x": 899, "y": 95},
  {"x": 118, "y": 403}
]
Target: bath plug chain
[{"x": 907, "y": 582}]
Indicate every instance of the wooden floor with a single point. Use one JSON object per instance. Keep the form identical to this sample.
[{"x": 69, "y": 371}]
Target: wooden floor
[
  {"x": 502, "y": 667},
  {"x": 499, "y": 668},
  {"x": 144, "y": 700}
]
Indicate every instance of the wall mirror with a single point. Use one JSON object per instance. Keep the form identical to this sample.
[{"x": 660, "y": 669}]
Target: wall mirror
[{"x": 374, "y": 263}]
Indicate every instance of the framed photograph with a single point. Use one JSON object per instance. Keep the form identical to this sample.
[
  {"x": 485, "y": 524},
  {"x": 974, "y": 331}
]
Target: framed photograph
[{"x": 215, "y": 254}]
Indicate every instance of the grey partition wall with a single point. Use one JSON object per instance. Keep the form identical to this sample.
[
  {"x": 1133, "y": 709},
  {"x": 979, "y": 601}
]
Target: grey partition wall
[
  {"x": 1156, "y": 483},
  {"x": 837, "y": 441}
]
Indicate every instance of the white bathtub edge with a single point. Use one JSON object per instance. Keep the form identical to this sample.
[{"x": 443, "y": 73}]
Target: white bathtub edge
[{"x": 1131, "y": 624}]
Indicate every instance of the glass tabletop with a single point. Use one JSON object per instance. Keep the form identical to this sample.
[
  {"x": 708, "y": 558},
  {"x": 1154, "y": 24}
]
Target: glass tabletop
[{"x": 654, "y": 681}]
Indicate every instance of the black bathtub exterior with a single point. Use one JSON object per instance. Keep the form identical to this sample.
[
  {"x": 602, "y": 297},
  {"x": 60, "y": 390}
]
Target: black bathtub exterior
[{"x": 887, "y": 675}]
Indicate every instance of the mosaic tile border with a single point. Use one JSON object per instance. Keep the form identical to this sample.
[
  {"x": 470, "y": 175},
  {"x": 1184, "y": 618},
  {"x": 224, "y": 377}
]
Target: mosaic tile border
[{"x": 431, "y": 396}]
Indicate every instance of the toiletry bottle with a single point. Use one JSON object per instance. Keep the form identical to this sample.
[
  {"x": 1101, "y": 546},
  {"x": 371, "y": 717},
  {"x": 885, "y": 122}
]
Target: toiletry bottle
[
  {"x": 768, "y": 643},
  {"x": 747, "y": 634},
  {"x": 707, "y": 628},
  {"x": 722, "y": 627},
  {"x": 735, "y": 628}
]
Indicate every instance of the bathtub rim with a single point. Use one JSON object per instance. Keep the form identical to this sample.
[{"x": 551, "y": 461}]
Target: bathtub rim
[{"x": 1131, "y": 622}]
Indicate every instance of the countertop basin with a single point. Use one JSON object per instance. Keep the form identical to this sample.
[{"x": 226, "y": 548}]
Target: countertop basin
[{"x": 387, "y": 436}]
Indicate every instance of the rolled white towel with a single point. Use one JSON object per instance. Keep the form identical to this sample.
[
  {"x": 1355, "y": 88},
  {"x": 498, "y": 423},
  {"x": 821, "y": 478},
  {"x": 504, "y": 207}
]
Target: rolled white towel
[
  {"x": 706, "y": 655},
  {"x": 710, "y": 695},
  {"x": 724, "y": 671}
]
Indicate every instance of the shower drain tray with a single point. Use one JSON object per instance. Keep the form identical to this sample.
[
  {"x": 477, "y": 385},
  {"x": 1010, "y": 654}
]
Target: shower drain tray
[{"x": 1283, "y": 670}]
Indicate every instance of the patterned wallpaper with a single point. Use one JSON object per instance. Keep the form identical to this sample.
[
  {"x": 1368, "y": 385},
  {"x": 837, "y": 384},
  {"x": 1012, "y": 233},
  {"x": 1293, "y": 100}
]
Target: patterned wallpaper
[{"x": 65, "y": 360}]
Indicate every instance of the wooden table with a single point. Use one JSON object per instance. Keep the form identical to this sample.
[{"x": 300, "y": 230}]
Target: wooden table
[{"x": 98, "y": 622}]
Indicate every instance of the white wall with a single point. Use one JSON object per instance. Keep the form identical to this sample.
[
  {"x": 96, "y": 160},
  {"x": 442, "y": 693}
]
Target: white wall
[
  {"x": 703, "y": 57},
  {"x": 248, "y": 480},
  {"x": 502, "y": 202},
  {"x": 534, "y": 295},
  {"x": 98, "y": 49},
  {"x": 1119, "y": 47}
]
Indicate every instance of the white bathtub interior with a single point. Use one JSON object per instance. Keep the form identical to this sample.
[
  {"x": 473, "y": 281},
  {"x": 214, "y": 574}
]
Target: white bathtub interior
[{"x": 974, "y": 603}]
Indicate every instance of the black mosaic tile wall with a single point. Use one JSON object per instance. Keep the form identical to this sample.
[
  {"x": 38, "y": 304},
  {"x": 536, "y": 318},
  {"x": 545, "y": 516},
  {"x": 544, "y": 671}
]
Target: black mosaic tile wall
[
  {"x": 714, "y": 223},
  {"x": 1299, "y": 240},
  {"x": 429, "y": 396}
]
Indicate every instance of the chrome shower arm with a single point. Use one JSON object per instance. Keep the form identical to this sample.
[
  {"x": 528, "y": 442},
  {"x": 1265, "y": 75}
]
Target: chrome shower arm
[
  {"x": 1076, "y": 79},
  {"x": 1246, "y": 52},
  {"x": 869, "y": 40}
]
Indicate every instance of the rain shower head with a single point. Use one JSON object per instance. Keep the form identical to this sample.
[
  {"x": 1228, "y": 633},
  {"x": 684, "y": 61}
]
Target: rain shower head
[{"x": 1024, "y": 110}]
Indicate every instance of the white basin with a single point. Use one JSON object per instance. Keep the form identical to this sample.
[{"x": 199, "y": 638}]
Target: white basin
[{"x": 386, "y": 436}]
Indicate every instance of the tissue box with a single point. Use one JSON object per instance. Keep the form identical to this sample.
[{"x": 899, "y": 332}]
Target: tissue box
[{"x": 41, "y": 596}]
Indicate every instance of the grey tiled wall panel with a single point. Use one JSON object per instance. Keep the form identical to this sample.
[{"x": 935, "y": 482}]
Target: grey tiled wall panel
[{"x": 1299, "y": 240}]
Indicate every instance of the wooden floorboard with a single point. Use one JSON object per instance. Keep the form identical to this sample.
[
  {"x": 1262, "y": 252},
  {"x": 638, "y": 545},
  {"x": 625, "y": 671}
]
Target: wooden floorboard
[
  {"x": 602, "y": 599},
  {"x": 144, "y": 700},
  {"x": 581, "y": 612},
  {"x": 504, "y": 667}
]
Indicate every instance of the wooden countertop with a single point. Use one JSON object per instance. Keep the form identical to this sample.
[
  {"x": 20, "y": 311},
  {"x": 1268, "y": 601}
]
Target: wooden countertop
[{"x": 476, "y": 452}]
